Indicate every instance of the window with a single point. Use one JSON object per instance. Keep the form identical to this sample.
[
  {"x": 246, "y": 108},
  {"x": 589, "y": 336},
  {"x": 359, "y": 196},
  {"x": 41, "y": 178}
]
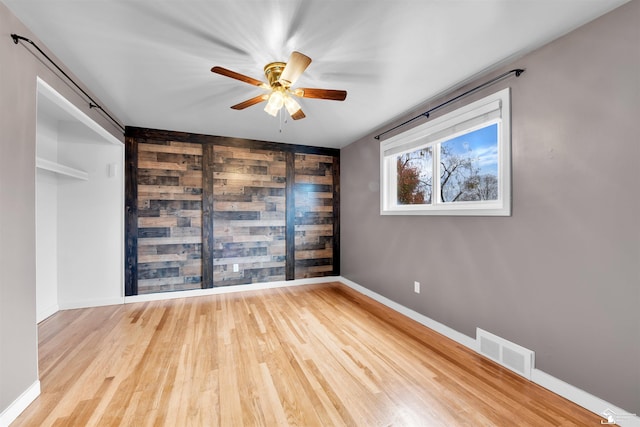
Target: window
[{"x": 457, "y": 164}]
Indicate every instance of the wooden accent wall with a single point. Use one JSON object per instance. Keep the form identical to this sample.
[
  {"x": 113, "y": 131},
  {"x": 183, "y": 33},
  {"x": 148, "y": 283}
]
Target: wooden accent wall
[
  {"x": 314, "y": 215},
  {"x": 169, "y": 216},
  {"x": 248, "y": 215},
  {"x": 205, "y": 211}
]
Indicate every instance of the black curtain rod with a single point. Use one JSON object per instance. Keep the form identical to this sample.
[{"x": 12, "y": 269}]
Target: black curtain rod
[
  {"x": 92, "y": 103},
  {"x": 517, "y": 72}
]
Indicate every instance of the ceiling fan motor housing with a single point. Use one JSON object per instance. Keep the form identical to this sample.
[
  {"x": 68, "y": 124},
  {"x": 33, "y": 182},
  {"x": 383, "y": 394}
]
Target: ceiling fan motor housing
[{"x": 272, "y": 72}]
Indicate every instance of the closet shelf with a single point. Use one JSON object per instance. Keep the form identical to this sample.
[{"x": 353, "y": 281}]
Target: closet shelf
[{"x": 61, "y": 169}]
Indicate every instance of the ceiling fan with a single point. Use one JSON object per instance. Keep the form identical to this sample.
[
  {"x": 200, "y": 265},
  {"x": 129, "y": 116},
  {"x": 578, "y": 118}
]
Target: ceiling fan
[{"x": 281, "y": 76}]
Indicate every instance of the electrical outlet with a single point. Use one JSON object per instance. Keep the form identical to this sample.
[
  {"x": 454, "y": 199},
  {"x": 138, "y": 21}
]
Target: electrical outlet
[
  {"x": 416, "y": 287},
  {"x": 236, "y": 268}
]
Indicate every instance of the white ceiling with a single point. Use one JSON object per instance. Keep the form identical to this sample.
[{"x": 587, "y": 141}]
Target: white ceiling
[{"x": 149, "y": 61}]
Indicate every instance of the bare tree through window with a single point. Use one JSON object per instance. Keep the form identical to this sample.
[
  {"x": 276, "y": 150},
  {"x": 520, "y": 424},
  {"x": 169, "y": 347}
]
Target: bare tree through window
[
  {"x": 468, "y": 170},
  {"x": 415, "y": 177},
  {"x": 469, "y": 166}
]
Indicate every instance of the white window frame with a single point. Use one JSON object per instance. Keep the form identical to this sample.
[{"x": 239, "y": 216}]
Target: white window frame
[{"x": 495, "y": 108}]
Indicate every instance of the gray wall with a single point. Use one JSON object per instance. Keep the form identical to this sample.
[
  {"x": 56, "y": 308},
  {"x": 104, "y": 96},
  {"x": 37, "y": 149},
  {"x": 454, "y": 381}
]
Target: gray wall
[
  {"x": 561, "y": 275},
  {"x": 18, "y": 334}
]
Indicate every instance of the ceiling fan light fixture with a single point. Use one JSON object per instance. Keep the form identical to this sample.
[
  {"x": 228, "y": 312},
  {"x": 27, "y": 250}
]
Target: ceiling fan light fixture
[
  {"x": 291, "y": 105},
  {"x": 275, "y": 103},
  {"x": 281, "y": 76}
]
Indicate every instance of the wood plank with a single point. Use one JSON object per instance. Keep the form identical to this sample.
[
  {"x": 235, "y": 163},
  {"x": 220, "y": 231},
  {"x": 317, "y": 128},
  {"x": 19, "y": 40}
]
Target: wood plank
[
  {"x": 163, "y": 173},
  {"x": 169, "y": 240},
  {"x": 169, "y": 196},
  {"x": 241, "y": 259},
  {"x": 171, "y": 189},
  {"x": 320, "y": 269},
  {"x": 257, "y": 206},
  {"x": 233, "y": 184},
  {"x": 191, "y": 179},
  {"x": 315, "y": 355},
  {"x": 162, "y": 165},
  {"x": 232, "y": 230},
  {"x": 165, "y": 221},
  {"x": 193, "y": 149},
  {"x": 252, "y": 238},
  {"x": 147, "y": 156},
  {"x": 291, "y": 217},
  {"x": 161, "y": 258},
  {"x": 208, "y": 231},
  {"x": 245, "y": 154},
  {"x": 320, "y": 195},
  {"x": 336, "y": 216},
  {"x": 311, "y": 207},
  {"x": 314, "y": 254},
  {"x": 313, "y": 179},
  {"x": 306, "y": 161},
  {"x": 248, "y": 178},
  {"x": 324, "y": 229},
  {"x": 191, "y": 269},
  {"x": 131, "y": 217},
  {"x": 168, "y": 282}
]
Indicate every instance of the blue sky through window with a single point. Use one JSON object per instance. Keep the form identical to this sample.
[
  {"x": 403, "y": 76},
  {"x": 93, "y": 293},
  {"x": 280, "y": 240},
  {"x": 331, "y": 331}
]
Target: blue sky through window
[{"x": 481, "y": 145}]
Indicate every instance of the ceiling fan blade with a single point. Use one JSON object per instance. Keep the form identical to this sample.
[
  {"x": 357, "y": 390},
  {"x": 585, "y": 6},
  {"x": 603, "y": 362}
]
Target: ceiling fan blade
[
  {"x": 298, "y": 62},
  {"x": 330, "y": 94},
  {"x": 249, "y": 102},
  {"x": 298, "y": 115},
  {"x": 237, "y": 76}
]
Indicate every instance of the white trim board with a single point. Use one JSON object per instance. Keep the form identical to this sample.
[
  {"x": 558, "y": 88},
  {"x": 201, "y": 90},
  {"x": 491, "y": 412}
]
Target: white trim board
[
  {"x": 586, "y": 400},
  {"x": 422, "y": 319},
  {"x": 160, "y": 296},
  {"x": 71, "y": 305},
  {"x": 43, "y": 88},
  {"x": 228, "y": 289},
  {"x": 60, "y": 169},
  {"x": 12, "y": 412},
  {"x": 579, "y": 397},
  {"x": 46, "y": 312}
]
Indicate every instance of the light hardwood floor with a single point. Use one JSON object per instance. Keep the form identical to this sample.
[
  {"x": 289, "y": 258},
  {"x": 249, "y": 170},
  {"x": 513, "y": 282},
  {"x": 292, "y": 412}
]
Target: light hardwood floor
[{"x": 317, "y": 355}]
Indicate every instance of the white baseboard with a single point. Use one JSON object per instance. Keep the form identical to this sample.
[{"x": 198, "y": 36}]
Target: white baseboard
[
  {"x": 584, "y": 399},
  {"x": 70, "y": 305},
  {"x": 226, "y": 289},
  {"x": 559, "y": 387},
  {"x": 420, "y": 318},
  {"x": 20, "y": 404},
  {"x": 46, "y": 312}
]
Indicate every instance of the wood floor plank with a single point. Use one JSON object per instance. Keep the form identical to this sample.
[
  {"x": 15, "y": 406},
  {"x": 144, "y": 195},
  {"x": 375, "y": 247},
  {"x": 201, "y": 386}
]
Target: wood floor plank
[{"x": 316, "y": 355}]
